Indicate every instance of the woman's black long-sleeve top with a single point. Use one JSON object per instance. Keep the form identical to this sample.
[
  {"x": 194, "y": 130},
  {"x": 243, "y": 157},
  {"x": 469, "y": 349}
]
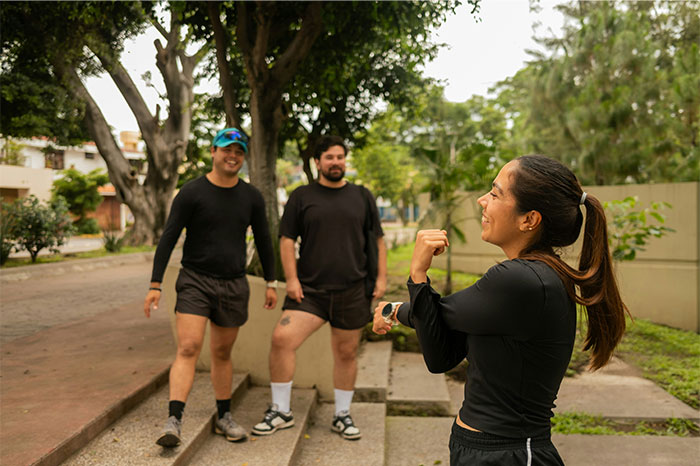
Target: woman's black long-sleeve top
[{"x": 516, "y": 328}]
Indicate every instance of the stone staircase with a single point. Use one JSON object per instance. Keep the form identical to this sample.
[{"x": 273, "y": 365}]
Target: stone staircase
[{"x": 394, "y": 394}]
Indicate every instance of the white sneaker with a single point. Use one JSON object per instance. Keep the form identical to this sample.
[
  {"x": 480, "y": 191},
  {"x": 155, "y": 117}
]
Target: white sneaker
[{"x": 273, "y": 421}]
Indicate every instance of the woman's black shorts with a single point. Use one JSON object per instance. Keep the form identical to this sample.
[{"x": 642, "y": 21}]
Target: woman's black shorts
[
  {"x": 481, "y": 449},
  {"x": 223, "y": 301}
]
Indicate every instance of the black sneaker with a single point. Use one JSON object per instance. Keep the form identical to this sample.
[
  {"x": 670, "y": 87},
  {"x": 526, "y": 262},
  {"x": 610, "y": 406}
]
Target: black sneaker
[
  {"x": 171, "y": 433},
  {"x": 273, "y": 421},
  {"x": 342, "y": 424}
]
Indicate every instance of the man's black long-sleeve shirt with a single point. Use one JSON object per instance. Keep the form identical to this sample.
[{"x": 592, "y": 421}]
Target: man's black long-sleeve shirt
[
  {"x": 216, "y": 220},
  {"x": 516, "y": 327}
]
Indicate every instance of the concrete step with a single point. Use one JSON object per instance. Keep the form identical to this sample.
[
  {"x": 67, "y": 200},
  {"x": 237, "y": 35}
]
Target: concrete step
[
  {"x": 324, "y": 447},
  {"x": 413, "y": 440},
  {"x": 131, "y": 440},
  {"x": 274, "y": 450},
  {"x": 413, "y": 390},
  {"x": 373, "y": 371}
]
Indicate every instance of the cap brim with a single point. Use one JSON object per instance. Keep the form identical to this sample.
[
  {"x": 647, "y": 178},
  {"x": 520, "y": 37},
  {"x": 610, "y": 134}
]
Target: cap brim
[{"x": 228, "y": 143}]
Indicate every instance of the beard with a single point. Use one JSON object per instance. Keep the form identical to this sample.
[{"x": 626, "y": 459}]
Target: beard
[{"x": 333, "y": 174}]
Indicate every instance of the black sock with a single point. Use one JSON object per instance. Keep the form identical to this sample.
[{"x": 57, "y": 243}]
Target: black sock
[
  {"x": 223, "y": 407},
  {"x": 175, "y": 408}
]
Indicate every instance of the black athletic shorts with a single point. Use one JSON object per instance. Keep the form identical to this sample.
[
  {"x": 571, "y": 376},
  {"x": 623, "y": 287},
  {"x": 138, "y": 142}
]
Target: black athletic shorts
[
  {"x": 481, "y": 449},
  {"x": 224, "y": 302},
  {"x": 347, "y": 309}
]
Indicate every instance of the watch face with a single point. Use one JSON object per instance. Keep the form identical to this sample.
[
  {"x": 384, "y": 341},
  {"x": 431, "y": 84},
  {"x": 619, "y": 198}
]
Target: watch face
[{"x": 386, "y": 311}]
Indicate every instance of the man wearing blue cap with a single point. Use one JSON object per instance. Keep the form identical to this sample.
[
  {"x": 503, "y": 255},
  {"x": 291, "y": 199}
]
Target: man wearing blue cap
[{"x": 216, "y": 210}]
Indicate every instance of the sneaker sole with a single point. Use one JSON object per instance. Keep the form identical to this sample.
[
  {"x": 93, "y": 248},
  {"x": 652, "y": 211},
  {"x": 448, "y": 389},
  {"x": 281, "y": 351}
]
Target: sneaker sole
[
  {"x": 286, "y": 425},
  {"x": 228, "y": 437},
  {"x": 168, "y": 440}
]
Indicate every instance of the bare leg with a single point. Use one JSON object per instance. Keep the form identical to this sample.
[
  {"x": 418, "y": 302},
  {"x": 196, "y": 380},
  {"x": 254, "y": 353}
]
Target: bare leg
[
  {"x": 293, "y": 328},
  {"x": 190, "y": 334},
  {"x": 345, "y": 344},
  {"x": 222, "y": 339}
]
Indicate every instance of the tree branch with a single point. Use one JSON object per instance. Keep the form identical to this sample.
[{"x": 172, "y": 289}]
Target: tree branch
[
  {"x": 220, "y": 39},
  {"x": 117, "y": 165},
  {"x": 311, "y": 25},
  {"x": 122, "y": 79}
]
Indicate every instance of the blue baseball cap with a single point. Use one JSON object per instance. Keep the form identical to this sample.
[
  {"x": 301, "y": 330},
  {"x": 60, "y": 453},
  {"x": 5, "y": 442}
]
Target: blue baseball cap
[{"x": 228, "y": 136}]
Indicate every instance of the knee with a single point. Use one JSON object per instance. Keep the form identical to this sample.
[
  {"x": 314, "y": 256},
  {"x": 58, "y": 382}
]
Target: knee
[
  {"x": 188, "y": 349},
  {"x": 221, "y": 352},
  {"x": 282, "y": 340},
  {"x": 346, "y": 353}
]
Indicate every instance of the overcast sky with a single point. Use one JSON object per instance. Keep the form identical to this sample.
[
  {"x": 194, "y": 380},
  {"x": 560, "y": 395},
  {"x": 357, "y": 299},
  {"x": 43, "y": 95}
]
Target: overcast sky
[{"x": 479, "y": 53}]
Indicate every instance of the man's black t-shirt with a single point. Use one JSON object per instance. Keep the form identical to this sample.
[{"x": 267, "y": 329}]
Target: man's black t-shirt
[
  {"x": 330, "y": 222},
  {"x": 216, "y": 220},
  {"x": 516, "y": 328}
]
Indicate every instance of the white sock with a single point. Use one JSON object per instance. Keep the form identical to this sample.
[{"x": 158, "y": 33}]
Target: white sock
[
  {"x": 281, "y": 393},
  {"x": 342, "y": 400}
]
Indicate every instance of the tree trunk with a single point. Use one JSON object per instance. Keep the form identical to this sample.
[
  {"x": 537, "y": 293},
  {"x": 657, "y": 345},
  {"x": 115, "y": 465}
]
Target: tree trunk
[
  {"x": 266, "y": 121},
  {"x": 267, "y": 80}
]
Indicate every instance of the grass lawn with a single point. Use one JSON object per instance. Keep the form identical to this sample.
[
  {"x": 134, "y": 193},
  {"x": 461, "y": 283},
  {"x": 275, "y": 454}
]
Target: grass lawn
[
  {"x": 580, "y": 423},
  {"x": 17, "y": 262}
]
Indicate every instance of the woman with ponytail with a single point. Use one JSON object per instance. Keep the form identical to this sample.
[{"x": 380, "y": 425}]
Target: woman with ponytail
[{"x": 516, "y": 325}]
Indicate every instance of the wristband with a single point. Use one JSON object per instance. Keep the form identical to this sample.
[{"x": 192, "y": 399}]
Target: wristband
[
  {"x": 272, "y": 284},
  {"x": 155, "y": 289}
]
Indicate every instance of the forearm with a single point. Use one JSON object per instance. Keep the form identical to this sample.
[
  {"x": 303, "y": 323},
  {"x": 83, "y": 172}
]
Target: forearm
[
  {"x": 381, "y": 266},
  {"x": 442, "y": 347}
]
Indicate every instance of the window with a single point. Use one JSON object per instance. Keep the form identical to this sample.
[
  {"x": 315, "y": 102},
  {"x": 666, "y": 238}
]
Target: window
[
  {"x": 89, "y": 155},
  {"x": 54, "y": 160}
]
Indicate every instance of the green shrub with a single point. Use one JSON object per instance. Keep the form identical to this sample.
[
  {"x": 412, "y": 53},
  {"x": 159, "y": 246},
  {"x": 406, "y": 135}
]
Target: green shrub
[
  {"x": 38, "y": 226},
  {"x": 112, "y": 240}
]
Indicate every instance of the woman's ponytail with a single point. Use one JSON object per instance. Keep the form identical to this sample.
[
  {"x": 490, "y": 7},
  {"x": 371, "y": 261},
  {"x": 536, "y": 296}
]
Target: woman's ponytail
[
  {"x": 599, "y": 292},
  {"x": 550, "y": 188}
]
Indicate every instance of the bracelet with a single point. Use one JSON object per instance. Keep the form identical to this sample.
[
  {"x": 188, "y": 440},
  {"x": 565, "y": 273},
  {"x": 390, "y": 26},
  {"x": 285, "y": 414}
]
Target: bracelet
[{"x": 155, "y": 289}]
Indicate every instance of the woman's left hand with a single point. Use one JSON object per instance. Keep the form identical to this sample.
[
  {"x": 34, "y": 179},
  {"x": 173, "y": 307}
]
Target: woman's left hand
[{"x": 379, "y": 326}]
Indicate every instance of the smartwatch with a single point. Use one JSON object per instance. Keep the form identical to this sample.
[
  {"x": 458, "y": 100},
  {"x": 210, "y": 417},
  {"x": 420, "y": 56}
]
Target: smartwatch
[{"x": 389, "y": 312}]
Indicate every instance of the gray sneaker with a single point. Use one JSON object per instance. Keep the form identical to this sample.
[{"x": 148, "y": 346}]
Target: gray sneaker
[
  {"x": 171, "y": 433},
  {"x": 229, "y": 428}
]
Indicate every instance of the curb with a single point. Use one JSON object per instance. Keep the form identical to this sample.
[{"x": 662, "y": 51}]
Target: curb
[{"x": 27, "y": 272}]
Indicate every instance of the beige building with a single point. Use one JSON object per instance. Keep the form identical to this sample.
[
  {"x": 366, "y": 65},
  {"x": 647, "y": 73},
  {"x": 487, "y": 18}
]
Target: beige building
[
  {"x": 661, "y": 284},
  {"x": 41, "y": 163}
]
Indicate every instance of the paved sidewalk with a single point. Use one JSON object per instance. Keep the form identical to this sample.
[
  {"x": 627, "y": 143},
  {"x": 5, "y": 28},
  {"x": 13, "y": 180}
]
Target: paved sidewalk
[{"x": 65, "y": 384}]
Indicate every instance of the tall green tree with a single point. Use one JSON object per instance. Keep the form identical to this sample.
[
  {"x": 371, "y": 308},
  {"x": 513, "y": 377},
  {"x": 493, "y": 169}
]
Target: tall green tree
[
  {"x": 616, "y": 96},
  {"x": 80, "y": 39}
]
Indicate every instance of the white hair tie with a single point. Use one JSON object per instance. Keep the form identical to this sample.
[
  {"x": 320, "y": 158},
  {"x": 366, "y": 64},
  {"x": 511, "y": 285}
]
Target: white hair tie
[{"x": 583, "y": 198}]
